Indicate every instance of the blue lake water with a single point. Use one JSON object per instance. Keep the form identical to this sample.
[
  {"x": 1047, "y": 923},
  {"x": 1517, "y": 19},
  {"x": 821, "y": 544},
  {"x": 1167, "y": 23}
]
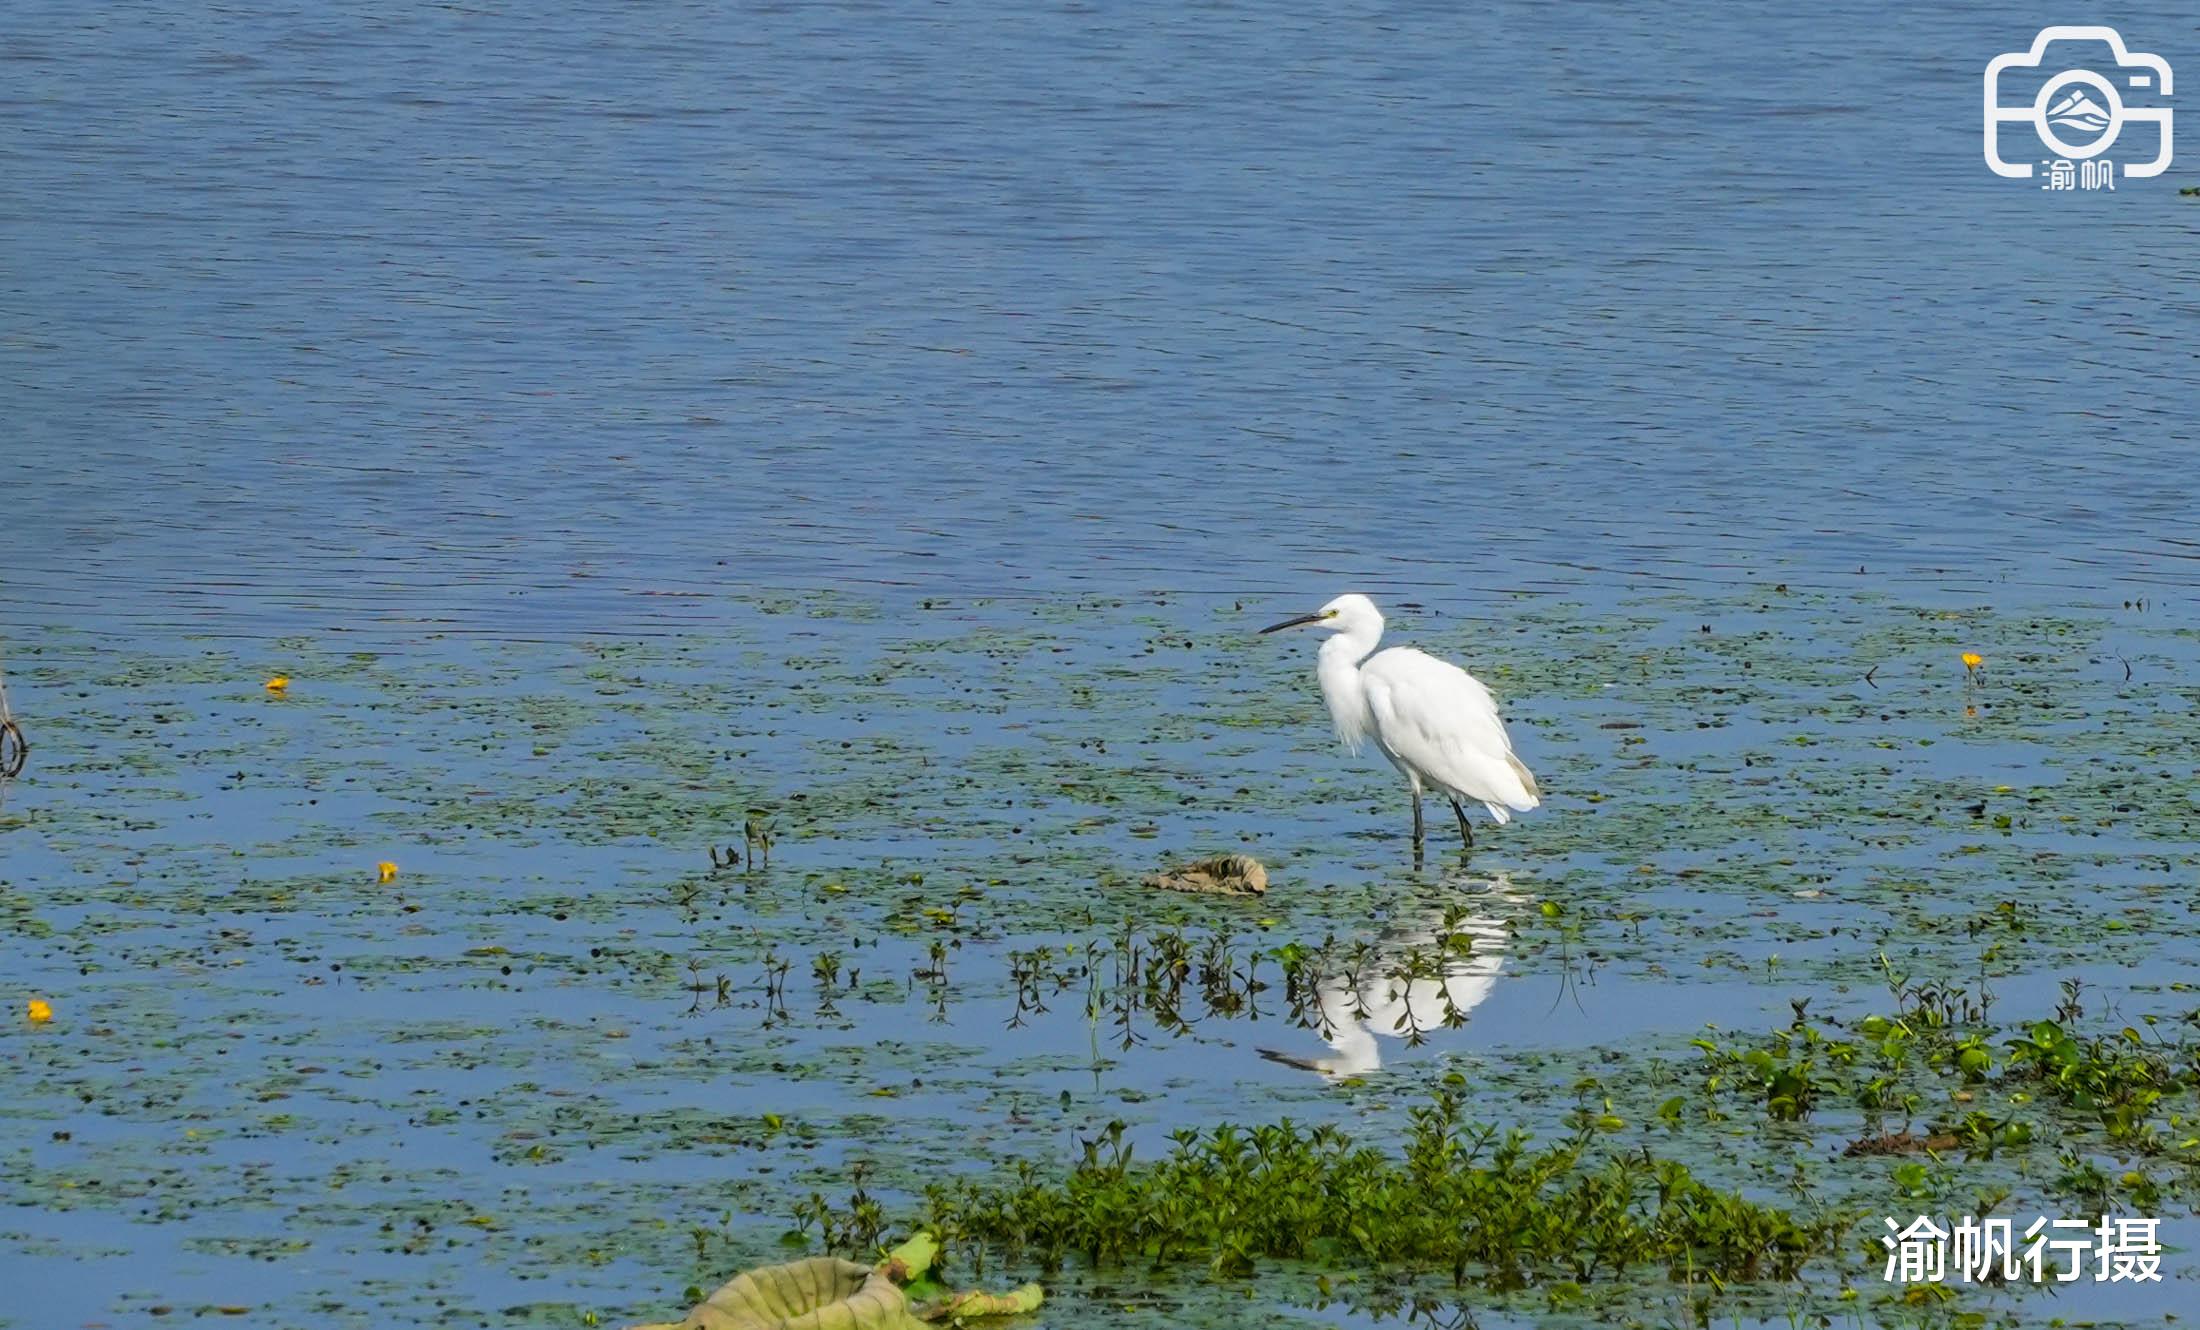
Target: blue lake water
[
  {"x": 487, "y": 341},
  {"x": 321, "y": 318}
]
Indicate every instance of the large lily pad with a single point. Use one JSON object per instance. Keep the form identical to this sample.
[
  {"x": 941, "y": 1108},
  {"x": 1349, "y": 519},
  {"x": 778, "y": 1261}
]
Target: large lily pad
[
  {"x": 826, "y": 1293},
  {"x": 821, "y": 1293}
]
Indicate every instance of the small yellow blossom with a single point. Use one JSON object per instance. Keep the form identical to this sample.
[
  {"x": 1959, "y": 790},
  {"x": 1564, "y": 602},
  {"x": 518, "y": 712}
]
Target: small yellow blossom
[
  {"x": 278, "y": 683},
  {"x": 387, "y": 869},
  {"x": 40, "y": 1010},
  {"x": 1972, "y": 660}
]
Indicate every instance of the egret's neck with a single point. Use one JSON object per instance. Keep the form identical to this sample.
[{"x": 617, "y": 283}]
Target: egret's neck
[
  {"x": 1339, "y": 674},
  {"x": 1345, "y": 650}
]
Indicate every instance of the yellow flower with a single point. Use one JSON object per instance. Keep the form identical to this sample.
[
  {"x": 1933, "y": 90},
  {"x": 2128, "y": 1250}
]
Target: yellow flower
[
  {"x": 1972, "y": 660},
  {"x": 278, "y": 683},
  {"x": 40, "y": 1010},
  {"x": 387, "y": 869}
]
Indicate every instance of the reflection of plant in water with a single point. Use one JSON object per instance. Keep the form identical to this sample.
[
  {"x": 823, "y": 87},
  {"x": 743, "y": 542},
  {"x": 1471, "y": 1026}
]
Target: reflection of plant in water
[
  {"x": 683, "y": 895},
  {"x": 825, "y": 969},
  {"x": 1161, "y": 980},
  {"x": 934, "y": 977},
  {"x": 1030, "y": 972},
  {"x": 1128, "y": 990},
  {"x": 1421, "y": 1311},
  {"x": 1166, "y": 980},
  {"x": 775, "y": 987},
  {"x": 1224, "y": 988},
  {"x": 720, "y": 985}
]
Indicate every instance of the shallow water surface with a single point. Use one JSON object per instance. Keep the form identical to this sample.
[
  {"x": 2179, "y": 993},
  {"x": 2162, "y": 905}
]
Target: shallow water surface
[
  {"x": 886, "y": 427},
  {"x": 580, "y": 1022}
]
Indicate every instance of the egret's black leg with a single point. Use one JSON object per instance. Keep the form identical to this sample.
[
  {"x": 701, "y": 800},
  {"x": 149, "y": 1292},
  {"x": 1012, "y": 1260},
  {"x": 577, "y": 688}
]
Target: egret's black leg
[
  {"x": 1417, "y": 833},
  {"x": 1466, "y": 832}
]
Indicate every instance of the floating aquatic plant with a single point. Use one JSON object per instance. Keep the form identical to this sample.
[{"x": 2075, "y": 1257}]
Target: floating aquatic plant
[
  {"x": 1464, "y": 1200},
  {"x": 824, "y": 1293}
]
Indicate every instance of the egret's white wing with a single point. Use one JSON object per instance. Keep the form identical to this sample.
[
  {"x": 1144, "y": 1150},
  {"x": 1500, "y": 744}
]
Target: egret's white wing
[{"x": 1440, "y": 721}]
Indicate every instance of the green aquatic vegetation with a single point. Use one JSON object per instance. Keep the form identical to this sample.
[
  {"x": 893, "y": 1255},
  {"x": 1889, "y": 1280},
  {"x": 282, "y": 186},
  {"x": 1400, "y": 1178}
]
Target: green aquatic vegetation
[
  {"x": 2120, "y": 1078},
  {"x": 1466, "y": 1201},
  {"x": 962, "y": 814},
  {"x": 2092, "y": 1097},
  {"x": 1789, "y": 1074}
]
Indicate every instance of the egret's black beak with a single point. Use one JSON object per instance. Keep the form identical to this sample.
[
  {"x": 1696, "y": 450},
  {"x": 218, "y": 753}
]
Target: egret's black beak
[{"x": 1293, "y": 623}]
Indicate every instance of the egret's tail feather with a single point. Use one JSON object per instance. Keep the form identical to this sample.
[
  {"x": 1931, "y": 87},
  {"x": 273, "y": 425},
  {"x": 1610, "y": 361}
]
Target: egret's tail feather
[
  {"x": 1527, "y": 780},
  {"x": 1499, "y": 812}
]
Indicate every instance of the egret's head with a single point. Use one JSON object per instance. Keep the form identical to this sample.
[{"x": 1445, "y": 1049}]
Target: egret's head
[{"x": 1343, "y": 615}]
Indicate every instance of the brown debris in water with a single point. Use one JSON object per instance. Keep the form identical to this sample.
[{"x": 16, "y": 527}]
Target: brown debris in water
[
  {"x": 1223, "y": 875},
  {"x": 1900, "y": 1143}
]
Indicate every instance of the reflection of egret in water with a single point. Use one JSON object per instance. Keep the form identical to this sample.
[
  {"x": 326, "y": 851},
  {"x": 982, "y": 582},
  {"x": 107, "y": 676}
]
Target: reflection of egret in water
[{"x": 1409, "y": 983}]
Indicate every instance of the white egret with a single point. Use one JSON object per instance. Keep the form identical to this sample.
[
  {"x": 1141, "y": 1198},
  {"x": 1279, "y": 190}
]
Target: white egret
[{"x": 1435, "y": 722}]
